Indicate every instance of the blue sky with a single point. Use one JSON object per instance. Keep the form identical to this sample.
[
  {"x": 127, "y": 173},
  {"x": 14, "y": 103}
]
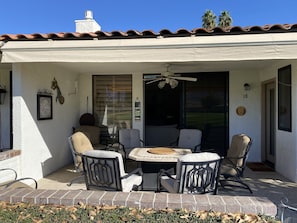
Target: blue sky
[{"x": 45, "y": 16}]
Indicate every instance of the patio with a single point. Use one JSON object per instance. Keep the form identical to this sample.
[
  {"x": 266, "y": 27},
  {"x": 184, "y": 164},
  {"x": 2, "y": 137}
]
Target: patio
[
  {"x": 267, "y": 184},
  {"x": 268, "y": 187}
]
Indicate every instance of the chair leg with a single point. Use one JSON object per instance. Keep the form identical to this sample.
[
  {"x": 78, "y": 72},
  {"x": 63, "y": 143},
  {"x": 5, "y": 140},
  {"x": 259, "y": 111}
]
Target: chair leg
[{"x": 75, "y": 179}]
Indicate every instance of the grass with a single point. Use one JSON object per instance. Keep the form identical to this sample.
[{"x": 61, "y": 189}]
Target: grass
[{"x": 25, "y": 213}]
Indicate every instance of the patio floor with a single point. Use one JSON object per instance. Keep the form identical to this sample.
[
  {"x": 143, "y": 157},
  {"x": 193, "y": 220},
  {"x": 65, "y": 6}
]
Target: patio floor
[{"x": 264, "y": 184}]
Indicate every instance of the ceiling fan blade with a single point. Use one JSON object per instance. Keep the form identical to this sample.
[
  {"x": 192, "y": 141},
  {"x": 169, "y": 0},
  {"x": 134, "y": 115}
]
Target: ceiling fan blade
[
  {"x": 184, "y": 78},
  {"x": 153, "y": 81}
]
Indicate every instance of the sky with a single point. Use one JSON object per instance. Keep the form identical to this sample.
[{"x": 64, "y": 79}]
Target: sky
[{"x": 47, "y": 16}]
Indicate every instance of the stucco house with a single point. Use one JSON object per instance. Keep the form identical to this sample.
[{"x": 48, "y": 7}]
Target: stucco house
[{"x": 246, "y": 83}]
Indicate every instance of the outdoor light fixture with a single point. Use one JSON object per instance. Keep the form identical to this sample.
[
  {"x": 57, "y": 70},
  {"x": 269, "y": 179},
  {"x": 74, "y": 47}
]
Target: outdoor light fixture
[
  {"x": 247, "y": 87},
  {"x": 172, "y": 82},
  {"x": 2, "y": 94}
]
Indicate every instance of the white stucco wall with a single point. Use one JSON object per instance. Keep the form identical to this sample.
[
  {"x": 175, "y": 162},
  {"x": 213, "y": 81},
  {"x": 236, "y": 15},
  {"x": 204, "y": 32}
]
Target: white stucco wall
[
  {"x": 250, "y": 123},
  {"x": 43, "y": 143},
  {"x": 286, "y": 146}
]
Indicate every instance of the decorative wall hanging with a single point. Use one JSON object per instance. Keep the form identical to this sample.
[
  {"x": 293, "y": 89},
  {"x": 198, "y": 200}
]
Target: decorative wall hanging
[
  {"x": 59, "y": 94},
  {"x": 240, "y": 110},
  {"x": 44, "y": 106}
]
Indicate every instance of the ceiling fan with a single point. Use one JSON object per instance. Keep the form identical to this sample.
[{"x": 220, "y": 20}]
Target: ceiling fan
[{"x": 167, "y": 78}]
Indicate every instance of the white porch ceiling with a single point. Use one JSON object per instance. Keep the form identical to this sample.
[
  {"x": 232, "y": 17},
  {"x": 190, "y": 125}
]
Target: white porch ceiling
[{"x": 106, "y": 68}]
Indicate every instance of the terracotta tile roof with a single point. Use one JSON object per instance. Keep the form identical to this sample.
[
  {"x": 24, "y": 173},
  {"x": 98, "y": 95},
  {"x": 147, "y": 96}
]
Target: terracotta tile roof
[{"x": 132, "y": 34}]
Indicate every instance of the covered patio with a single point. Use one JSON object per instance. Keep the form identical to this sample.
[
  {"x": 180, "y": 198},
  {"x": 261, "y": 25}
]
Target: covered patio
[
  {"x": 267, "y": 184},
  {"x": 269, "y": 188}
]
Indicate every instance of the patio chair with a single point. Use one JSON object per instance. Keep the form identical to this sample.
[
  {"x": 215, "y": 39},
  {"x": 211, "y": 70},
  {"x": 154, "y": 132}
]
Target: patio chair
[
  {"x": 104, "y": 170},
  {"x": 87, "y": 126},
  {"x": 287, "y": 213},
  {"x": 190, "y": 139},
  {"x": 195, "y": 173},
  {"x": 128, "y": 140},
  {"x": 78, "y": 143},
  {"x": 234, "y": 163},
  {"x": 9, "y": 179}
]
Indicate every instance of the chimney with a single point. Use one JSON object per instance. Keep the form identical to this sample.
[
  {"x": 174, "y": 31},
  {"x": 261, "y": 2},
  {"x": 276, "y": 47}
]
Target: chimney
[{"x": 88, "y": 24}]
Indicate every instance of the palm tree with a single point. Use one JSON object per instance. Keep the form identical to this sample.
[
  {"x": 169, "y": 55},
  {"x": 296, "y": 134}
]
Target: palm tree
[
  {"x": 209, "y": 20},
  {"x": 225, "y": 19}
]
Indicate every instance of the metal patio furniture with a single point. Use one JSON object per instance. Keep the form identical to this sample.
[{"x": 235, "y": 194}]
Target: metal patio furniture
[
  {"x": 9, "y": 179},
  {"x": 234, "y": 163},
  {"x": 287, "y": 212},
  {"x": 190, "y": 138},
  {"x": 78, "y": 143},
  {"x": 195, "y": 173},
  {"x": 128, "y": 140},
  {"x": 104, "y": 170}
]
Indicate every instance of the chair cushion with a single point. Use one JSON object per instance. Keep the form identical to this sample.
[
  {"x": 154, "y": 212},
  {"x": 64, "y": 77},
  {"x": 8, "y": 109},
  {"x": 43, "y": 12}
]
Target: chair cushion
[
  {"x": 81, "y": 143},
  {"x": 189, "y": 138},
  {"x": 228, "y": 170},
  {"x": 129, "y": 182},
  {"x": 92, "y": 132},
  {"x": 199, "y": 157},
  {"x": 238, "y": 147}
]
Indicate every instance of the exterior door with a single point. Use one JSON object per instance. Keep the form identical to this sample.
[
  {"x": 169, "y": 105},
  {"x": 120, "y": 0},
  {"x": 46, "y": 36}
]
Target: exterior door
[{"x": 270, "y": 125}]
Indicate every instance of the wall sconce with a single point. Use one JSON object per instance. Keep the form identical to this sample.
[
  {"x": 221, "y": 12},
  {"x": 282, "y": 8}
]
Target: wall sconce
[
  {"x": 246, "y": 88},
  {"x": 2, "y": 94}
]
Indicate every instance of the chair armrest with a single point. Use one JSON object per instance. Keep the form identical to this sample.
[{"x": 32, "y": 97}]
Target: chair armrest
[
  {"x": 167, "y": 173},
  {"x": 136, "y": 171},
  {"x": 196, "y": 147},
  {"x": 22, "y": 179},
  {"x": 12, "y": 171}
]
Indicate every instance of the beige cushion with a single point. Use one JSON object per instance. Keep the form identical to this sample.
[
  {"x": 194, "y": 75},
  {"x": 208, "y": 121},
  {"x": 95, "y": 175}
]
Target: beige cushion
[
  {"x": 238, "y": 147},
  {"x": 81, "y": 144}
]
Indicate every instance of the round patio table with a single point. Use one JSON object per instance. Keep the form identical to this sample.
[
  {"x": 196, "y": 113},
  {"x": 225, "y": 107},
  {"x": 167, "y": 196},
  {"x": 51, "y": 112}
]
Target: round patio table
[
  {"x": 153, "y": 159},
  {"x": 158, "y": 154}
]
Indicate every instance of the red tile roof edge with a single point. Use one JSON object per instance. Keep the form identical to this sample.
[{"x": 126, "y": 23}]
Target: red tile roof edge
[{"x": 133, "y": 34}]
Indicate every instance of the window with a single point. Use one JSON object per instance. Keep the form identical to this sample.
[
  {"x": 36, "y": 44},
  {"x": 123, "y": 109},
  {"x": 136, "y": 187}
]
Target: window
[
  {"x": 284, "y": 99},
  {"x": 112, "y": 102}
]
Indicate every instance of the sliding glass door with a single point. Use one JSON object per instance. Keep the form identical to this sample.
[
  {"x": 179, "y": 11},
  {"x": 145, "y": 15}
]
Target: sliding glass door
[{"x": 202, "y": 104}]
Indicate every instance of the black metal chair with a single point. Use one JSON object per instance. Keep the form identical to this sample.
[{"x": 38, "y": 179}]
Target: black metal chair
[
  {"x": 9, "y": 179},
  {"x": 234, "y": 163},
  {"x": 195, "y": 173},
  {"x": 129, "y": 139},
  {"x": 287, "y": 212},
  {"x": 190, "y": 139},
  {"x": 104, "y": 170},
  {"x": 78, "y": 143}
]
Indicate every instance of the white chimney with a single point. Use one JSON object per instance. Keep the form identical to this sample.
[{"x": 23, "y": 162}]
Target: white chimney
[{"x": 88, "y": 24}]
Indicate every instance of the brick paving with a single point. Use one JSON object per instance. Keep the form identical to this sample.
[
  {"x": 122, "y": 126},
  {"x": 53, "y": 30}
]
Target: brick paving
[
  {"x": 269, "y": 188},
  {"x": 219, "y": 203}
]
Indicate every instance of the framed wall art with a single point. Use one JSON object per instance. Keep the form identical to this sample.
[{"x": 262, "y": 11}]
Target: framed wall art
[{"x": 44, "y": 107}]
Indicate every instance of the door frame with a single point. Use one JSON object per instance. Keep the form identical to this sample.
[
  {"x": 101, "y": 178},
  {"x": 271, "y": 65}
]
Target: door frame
[{"x": 264, "y": 157}]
